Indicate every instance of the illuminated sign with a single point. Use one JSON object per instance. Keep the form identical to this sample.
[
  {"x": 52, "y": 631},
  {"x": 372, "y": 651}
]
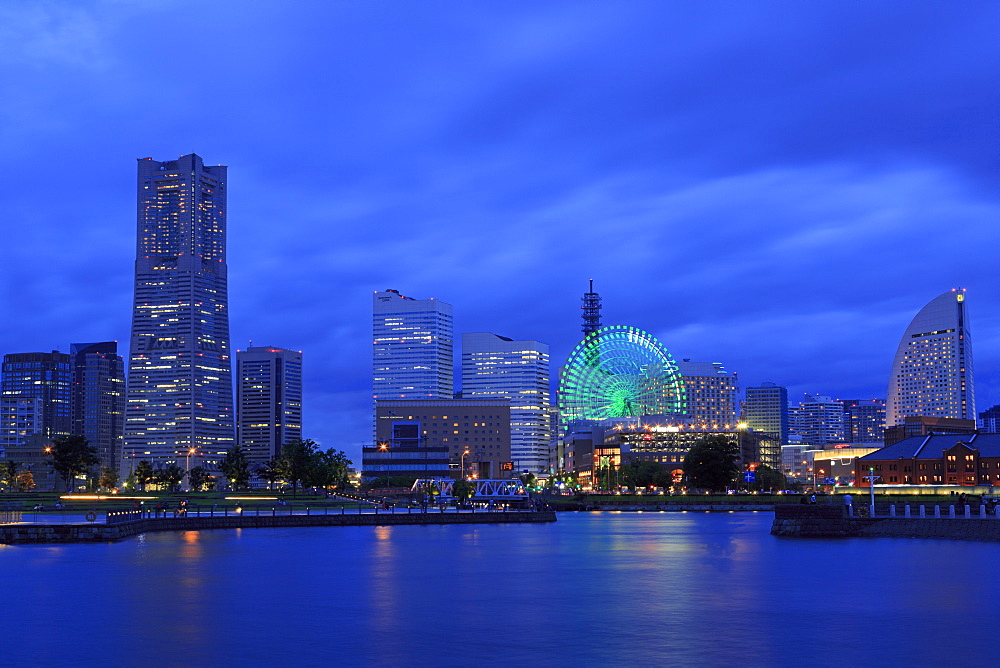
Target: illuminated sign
[{"x": 506, "y": 466}]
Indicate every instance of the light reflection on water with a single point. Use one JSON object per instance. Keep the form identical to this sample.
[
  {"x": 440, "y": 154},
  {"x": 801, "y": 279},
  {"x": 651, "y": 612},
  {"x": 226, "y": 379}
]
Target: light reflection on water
[{"x": 591, "y": 589}]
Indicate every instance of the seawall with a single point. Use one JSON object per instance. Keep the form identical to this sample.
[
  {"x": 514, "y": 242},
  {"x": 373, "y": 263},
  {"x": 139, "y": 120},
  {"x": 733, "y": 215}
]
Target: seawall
[
  {"x": 681, "y": 507},
  {"x": 833, "y": 521},
  {"x": 82, "y": 533}
]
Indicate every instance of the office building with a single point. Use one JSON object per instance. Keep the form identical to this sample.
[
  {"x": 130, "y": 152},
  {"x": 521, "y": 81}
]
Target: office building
[
  {"x": 498, "y": 367},
  {"x": 47, "y": 377},
  {"x": 268, "y": 400},
  {"x": 932, "y": 371},
  {"x": 466, "y": 434},
  {"x": 817, "y": 420},
  {"x": 20, "y": 417},
  {"x": 180, "y": 390},
  {"x": 765, "y": 410},
  {"x": 98, "y": 398},
  {"x": 413, "y": 347},
  {"x": 989, "y": 420},
  {"x": 711, "y": 392},
  {"x": 864, "y": 420}
]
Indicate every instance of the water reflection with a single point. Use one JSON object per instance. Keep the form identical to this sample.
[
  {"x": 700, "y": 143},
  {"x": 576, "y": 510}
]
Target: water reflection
[{"x": 591, "y": 589}]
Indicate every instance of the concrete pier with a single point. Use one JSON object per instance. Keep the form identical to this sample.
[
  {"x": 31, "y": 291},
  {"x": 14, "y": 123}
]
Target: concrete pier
[{"x": 829, "y": 521}]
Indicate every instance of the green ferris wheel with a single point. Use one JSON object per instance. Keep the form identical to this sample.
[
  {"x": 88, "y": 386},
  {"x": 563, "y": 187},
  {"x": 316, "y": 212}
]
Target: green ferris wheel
[{"x": 619, "y": 371}]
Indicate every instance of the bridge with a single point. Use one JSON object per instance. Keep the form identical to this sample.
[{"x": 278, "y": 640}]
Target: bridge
[{"x": 486, "y": 489}]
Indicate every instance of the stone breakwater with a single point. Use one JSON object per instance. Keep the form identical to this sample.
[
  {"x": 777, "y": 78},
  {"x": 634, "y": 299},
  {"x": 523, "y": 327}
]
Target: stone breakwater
[
  {"x": 832, "y": 521},
  {"x": 84, "y": 533}
]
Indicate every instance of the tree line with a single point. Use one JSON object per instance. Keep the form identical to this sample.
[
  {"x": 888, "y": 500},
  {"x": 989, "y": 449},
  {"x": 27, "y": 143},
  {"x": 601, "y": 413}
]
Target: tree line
[{"x": 301, "y": 464}]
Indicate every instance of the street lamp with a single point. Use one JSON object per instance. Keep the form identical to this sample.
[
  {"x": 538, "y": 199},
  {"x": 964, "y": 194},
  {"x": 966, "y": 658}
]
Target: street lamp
[
  {"x": 187, "y": 465},
  {"x": 383, "y": 446},
  {"x": 463, "y": 462}
]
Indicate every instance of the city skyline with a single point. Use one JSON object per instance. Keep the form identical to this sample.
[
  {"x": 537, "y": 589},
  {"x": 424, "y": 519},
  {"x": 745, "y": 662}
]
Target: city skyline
[{"x": 773, "y": 178}]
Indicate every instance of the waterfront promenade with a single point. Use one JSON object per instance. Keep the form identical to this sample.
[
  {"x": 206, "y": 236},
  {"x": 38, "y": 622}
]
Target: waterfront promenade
[{"x": 116, "y": 525}]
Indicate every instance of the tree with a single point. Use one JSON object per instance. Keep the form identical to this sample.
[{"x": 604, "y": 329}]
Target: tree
[
  {"x": 109, "y": 478},
  {"x": 328, "y": 469},
  {"x": 297, "y": 458},
  {"x": 170, "y": 476},
  {"x": 236, "y": 467},
  {"x": 768, "y": 479},
  {"x": 197, "y": 477},
  {"x": 72, "y": 456},
  {"x": 271, "y": 472},
  {"x": 528, "y": 479},
  {"x": 8, "y": 473},
  {"x": 144, "y": 474},
  {"x": 463, "y": 489},
  {"x": 645, "y": 474},
  {"x": 711, "y": 463},
  {"x": 25, "y": 482}
]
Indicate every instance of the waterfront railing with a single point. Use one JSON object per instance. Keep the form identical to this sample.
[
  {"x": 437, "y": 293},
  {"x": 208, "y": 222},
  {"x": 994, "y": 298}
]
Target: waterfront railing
[{"x": 925, "y": 511}]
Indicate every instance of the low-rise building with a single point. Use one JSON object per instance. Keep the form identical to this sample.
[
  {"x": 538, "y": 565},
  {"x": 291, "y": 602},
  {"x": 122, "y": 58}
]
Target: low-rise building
[
  {"x": 935, "y": 459},
  {"x": 435, "y": 437}
]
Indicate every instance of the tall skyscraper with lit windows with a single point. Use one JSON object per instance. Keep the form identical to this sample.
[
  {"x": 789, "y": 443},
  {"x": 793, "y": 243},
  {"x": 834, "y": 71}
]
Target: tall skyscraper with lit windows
[
  {"x": 932, "y": 371},
  {"x": 180, "y": 394},
  {"x": 498, "y": 367},
  {"x": 268, "y": 400},
  {"x": 413, "y": 348}
]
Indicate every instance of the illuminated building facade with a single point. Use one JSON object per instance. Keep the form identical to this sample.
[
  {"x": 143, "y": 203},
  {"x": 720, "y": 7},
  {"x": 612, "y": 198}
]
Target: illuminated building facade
[
  {"x": 592, "y": 455},
  {"x": 932, "y": 371},
  {"x": 817, "y": 420},
  {"x": 864, "y": 420},
  {"x": 765, "y": 410},
  {"x": 47, "y": 377},
  {"x": 20, "y": 417},
  {"x": 413, "y": 347},
  {"x": 711, "y": 392},
  {"x": 268, "y": 400},
  {"x": 497, "y": 367},
  {"x": 413, "y": 430},
  {"x": 180, "y": 393},
  {"x": 98, "y": 398}
]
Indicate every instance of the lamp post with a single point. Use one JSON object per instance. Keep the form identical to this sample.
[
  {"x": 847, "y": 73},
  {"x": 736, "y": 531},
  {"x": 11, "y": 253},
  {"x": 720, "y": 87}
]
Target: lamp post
[
  {"x": 383, "y": 446},
  {"x": 464, "y": 453},
  {"x": 187, "y": 465}
]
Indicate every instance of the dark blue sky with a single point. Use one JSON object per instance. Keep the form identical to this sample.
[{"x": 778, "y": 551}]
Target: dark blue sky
[{"x": 777, "y": 186}]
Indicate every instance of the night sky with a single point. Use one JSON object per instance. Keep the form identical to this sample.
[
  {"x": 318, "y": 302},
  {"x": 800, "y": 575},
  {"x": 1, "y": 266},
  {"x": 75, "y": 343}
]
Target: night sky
[{"x": 777, "y": 186}]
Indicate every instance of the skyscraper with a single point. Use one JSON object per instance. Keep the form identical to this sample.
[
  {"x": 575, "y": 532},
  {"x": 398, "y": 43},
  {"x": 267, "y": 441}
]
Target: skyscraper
[
  {"x": 932, "y": 371},
  {"x": 98, "y": 398},
  {"x": 413, "y": 348},
  {"x": 46, "y": 377},
  {"x": 766, "y": 410},
  {"x": 268, "y": 400},
  {"x": 498, "y": 367},
  {"x": 180, "y": 392},
  {"x": 711, "y": 392}
]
